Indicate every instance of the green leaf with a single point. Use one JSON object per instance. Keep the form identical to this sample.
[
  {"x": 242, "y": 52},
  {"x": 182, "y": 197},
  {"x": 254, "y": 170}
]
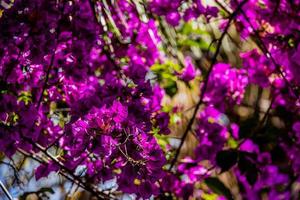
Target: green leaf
[
  {"x": 188, "y": 29},
  {"x": 226, "y": 159},
  {"x": 248, "y": 167},
  {"x": 162, "y": 140},
  {"x": 218, "y": 187},
  {"x": 209, "y": 196},
  {"x": 232, "y": 143},
  {"x": 25, "y": 96},
  {"x": 170, "y": 87}
]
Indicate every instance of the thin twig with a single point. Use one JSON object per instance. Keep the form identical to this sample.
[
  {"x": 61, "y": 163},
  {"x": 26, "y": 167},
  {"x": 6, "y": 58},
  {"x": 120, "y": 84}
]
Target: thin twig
[
  {"x": 7, "y": 194},
  {"x": 260, "y": 124},
  {"x": 87, "y": 186},
  {"x": 205, "y": 84},
  {"x": 52, "y": 56},
  {"x": 267, "y": 53}
]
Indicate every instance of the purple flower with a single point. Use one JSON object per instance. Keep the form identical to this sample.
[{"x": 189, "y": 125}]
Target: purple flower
[
  {"x": 189, "y": 71},
  {"x": 120, "y": 112},
  {"x": 258, "y": 68},
  {"x": 162, "y": 121},
  {"x": 44, "y": 170},
  {"x": 173, "y": 18}
]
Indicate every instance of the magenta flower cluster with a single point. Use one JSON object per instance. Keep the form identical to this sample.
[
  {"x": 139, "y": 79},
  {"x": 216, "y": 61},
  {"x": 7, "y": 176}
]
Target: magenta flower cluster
[{"x": 74, "y": 77}]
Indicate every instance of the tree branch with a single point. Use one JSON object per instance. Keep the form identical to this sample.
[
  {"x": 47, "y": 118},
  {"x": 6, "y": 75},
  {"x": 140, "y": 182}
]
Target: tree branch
[{"x": 205, "y": 84}]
